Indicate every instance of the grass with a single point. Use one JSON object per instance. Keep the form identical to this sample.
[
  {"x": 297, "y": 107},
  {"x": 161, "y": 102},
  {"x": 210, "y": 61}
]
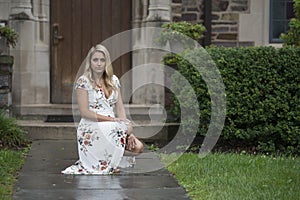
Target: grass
[
  {"x": 10, "y": 163},
  {"x": 13, "y": 148},
  {"x": 236, "y": 176}
]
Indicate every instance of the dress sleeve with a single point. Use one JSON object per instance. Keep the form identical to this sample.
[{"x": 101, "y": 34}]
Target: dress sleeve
[
  {"x": 116, "y": 81},
  {"x": 82, "y": 83}
]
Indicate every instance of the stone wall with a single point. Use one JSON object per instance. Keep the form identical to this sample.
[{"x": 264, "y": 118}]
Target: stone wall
[
  {"x": 4, "y": 9},
  {"x": 225, "y": 21},
  {"x": 176, "y": 7},
  {"x": 225, "y": 18},
  {"x": 192, "y": 11},
  {"x": 6, "y": 64}
]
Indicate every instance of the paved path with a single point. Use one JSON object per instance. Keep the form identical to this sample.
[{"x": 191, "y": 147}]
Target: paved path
[{"x": 40, "y": 177}]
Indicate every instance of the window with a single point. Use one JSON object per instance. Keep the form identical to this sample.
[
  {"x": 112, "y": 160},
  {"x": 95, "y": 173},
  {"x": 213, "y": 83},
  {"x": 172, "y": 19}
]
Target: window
[{"x": 281, "y": 11}]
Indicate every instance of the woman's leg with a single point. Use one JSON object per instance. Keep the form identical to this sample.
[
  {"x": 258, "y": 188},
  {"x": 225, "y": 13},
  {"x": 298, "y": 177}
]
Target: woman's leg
[{"x": 139, "y": 146}]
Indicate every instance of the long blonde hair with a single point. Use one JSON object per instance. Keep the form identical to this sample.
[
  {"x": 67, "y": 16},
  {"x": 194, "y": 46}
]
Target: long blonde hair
[{"x": 108, "y": 73}]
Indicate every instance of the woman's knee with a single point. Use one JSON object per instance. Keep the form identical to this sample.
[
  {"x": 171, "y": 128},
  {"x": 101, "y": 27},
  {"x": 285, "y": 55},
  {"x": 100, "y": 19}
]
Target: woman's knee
[{"x": 139, "y": 147}]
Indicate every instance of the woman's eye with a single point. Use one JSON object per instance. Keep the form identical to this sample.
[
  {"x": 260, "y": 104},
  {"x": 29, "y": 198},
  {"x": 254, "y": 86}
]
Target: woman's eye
[{"x": 96, "y": 60}]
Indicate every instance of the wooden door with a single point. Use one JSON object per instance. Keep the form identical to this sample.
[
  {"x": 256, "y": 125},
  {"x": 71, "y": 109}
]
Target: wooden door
[{"x": 77, "y": 25}]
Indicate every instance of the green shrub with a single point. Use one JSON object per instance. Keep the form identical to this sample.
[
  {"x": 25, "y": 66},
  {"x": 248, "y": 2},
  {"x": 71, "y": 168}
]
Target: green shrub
[
  {"x": 10, "y": 35},
  {"x": 11, "y": 135},
  {"x": 182, "y": 32},
  {"x": 262, "y": 95}
]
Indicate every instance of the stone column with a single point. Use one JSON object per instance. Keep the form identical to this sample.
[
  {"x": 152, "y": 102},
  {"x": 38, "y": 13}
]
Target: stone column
[
  {"x": 22, "y": 9},
  {"x": 31, "y": 69},
  {"x": 158, "y": 13}
]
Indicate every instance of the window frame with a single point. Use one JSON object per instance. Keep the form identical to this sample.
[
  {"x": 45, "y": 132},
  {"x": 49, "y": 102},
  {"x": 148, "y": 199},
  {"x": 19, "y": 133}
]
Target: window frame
[{"x": 271, "y": 28}]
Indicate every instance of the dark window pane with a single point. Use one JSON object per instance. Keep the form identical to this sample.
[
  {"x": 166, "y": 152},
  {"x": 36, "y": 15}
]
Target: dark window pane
[
  {"x": 278, "y": 28},
  {"x": 278, "y": 12},
  {"x": 281, "y": 11},
  {"x": 289, "y": 10}
]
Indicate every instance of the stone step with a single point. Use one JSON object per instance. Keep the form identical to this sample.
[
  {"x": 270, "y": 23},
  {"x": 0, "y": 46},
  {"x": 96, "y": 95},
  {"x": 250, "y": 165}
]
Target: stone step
[
  {"x": 146, "y": 131},
  {"x": 43, "y": 111},
  {"x": 56, "y": 121}
]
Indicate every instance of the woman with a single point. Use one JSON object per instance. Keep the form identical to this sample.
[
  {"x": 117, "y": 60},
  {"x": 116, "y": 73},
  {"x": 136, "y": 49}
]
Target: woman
[{"x": 104, "y": 139}]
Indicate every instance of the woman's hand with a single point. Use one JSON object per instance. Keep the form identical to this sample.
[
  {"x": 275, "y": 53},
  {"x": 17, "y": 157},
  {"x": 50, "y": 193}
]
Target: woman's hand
[{"x": 131, "y": 142}]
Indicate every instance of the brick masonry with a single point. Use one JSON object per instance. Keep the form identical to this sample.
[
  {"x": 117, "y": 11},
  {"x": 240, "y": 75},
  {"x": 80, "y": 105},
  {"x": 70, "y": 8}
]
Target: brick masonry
[{"x": 225, "y": 18}]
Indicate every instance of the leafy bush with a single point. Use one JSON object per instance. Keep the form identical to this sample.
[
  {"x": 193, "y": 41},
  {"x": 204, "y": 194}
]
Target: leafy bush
[
  {"x": 182, "y": 32},
  {"x": 292, "y": 37},
  {"x": 262, "y": 95},
  {"x": 10, "y": 35},
  {"x": 11, "y": 135}
]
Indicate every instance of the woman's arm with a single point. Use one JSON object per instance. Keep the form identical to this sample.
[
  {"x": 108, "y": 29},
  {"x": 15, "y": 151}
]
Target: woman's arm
[
  {"x": 120, "y": 110},
  {"x": 85, "y": 112},
  {"x": 120, "y": 106}
]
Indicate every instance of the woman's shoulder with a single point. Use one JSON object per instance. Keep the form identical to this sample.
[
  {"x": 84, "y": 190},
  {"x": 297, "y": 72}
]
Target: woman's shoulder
[
  {"x": 114, "y": 77},
  {"x": 82, "y": 82},
  {"x": 85, "y": 78},
  {"x": 82, "y": 77},
  {"x": 116, "y": 81}
]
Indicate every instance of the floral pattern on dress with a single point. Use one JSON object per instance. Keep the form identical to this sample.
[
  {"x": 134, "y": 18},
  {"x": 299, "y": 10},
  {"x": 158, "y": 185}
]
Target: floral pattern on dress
[
  {"x": 119, "y": 135},
  {"x": 81, "y": 83},
  {"x": 97, "y": 104},
  {"x": 86, "y": 137},
  {"x": 104, "y": 165},
  {"x": 101, "y": 145}
]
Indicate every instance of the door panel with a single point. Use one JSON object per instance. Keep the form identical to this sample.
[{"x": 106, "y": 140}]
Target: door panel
[{"x": 76, "y": 25}]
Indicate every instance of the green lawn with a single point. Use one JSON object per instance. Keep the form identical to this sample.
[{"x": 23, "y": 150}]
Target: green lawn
[
  {"x": 235, "y": 176},
  {"x": 10, "y": 163}
]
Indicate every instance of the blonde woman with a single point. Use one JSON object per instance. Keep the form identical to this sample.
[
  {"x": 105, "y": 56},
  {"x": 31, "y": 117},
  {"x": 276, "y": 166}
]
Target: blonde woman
[{"x": 104, "y": 138}]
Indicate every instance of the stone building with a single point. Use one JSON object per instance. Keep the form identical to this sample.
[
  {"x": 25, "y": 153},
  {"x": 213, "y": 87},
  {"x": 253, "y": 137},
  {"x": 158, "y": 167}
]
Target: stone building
[{"x": 55, "y": 35}]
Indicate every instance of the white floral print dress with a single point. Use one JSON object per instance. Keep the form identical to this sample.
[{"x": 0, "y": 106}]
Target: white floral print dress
[{"x": 101, "y": 145}]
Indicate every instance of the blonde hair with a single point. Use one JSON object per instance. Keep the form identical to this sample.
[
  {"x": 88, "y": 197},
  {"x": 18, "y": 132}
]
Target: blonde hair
[{"x": 108, "y": 73}]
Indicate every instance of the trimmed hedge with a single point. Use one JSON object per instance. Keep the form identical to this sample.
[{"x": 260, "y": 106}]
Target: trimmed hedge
[{"x": 262, "y": 86}]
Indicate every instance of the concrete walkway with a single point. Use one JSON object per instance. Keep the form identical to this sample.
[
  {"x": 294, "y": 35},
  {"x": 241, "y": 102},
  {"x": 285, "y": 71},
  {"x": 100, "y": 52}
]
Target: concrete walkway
[{"x": 40, "y": 177}]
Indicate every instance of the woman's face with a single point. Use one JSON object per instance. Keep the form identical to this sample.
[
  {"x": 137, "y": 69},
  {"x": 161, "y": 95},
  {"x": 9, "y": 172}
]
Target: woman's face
[{"x": 98, "y": 63}]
